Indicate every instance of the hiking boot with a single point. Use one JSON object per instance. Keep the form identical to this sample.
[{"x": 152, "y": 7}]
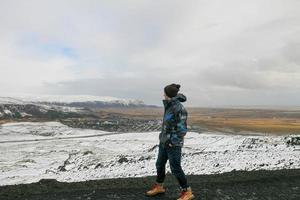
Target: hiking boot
[
  {"x": 155, "y": 190},
  {"x": 186, "y": 194}
]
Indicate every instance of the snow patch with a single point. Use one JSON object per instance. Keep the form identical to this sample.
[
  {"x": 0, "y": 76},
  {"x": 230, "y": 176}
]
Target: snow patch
[
  {"x": 24, "y": 114},
  {"x": 8, "y": 112}
]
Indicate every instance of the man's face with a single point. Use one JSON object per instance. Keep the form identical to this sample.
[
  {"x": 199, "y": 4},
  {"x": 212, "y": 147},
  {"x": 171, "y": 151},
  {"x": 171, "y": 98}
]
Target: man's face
[{"x": 166, "y": 97}]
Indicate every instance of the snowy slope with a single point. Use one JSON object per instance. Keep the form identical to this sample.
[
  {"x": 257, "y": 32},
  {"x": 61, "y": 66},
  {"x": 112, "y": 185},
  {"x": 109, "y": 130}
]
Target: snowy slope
[
  {"x": 129, "y": 154},
  {"x": 40, "y": 130},
  {"x": 10, "y": 100}
]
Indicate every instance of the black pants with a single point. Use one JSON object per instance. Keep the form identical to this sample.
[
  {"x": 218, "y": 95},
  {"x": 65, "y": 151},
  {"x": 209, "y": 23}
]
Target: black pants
[{"x": 173, "y": 154}]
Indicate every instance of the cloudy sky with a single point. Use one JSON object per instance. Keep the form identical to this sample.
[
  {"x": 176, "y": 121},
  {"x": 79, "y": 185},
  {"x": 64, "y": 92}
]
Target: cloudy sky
[{"x": 222, "y": 52}]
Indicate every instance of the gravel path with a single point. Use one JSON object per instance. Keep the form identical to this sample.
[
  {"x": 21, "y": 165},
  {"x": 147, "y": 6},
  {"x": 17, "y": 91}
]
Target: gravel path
[{"x": 240, "y": 185}]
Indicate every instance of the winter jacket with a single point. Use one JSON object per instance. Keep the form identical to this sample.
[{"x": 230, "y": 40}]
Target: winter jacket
[{"x": 174, "y": 125}]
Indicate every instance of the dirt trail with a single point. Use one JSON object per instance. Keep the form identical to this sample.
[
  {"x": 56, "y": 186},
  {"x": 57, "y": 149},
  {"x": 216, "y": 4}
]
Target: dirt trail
[{"x": 240, "y": 185}]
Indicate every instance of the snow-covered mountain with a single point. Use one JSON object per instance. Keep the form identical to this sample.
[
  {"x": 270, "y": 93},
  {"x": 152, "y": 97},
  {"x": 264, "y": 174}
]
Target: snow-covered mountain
[
  {"x": 11, "y": 108},
  {"x": 70, "y": 100},
  {"x": 53, "y": 150},
  {"x": 56, "y": 105}
]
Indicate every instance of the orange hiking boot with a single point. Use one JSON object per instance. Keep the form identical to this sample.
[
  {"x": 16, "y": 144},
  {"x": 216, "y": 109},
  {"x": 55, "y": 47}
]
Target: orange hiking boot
[
  {"x": 155, "y": 190},
  {"x": 186, "y": 195}
]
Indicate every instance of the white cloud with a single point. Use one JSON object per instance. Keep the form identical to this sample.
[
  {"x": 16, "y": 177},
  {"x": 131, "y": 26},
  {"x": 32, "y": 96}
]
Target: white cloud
[{"x": 222, "y": 52}]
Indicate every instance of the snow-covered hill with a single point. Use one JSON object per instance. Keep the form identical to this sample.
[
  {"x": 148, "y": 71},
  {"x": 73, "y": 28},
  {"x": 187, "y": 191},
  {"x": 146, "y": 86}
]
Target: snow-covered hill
[
  {"x": 130, "y": 154},
  {"x": 14, "y": 110},
  {"x": 49, "y": 106},
  {"x": 70, "y": 100}
]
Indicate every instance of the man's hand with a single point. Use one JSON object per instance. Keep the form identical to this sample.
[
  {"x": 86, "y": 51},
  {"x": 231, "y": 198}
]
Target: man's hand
[{"x": 169, "y": 143}]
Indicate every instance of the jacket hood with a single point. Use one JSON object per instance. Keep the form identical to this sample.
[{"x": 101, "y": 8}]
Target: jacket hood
[{"x": 180, "y": 97}]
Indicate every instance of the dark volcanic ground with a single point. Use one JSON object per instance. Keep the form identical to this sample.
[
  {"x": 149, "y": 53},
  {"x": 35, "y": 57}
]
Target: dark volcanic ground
[{"x": 240, "y": 185}]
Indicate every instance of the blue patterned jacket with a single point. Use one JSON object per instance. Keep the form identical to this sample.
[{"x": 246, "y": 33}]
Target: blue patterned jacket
[{"x": 174, "y": 125}]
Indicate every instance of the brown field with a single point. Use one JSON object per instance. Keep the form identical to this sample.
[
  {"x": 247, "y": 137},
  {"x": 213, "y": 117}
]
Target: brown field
[
  {"x": 239, "y": 121},
  {"x": 263, "y": 121},
  {"x": 134, "y": 113}
]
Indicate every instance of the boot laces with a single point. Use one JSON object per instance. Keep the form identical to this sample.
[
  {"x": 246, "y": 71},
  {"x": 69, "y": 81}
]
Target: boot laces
[
  {"x": 154, "y": 186},
  {"x": 183, "y": 193}
]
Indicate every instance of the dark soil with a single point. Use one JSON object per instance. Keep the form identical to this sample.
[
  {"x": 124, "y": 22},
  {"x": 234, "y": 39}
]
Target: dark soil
[{"x": 240, "y": 185}]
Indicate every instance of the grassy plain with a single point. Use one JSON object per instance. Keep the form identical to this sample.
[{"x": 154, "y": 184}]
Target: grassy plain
[{"x": 233, "y": 120}]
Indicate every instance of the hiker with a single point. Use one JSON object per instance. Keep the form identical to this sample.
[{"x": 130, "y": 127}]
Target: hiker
[{"x": 171, "y": 139}]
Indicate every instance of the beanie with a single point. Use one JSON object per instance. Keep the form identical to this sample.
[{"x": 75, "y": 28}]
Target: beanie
[{"x": 172, "y": 90}]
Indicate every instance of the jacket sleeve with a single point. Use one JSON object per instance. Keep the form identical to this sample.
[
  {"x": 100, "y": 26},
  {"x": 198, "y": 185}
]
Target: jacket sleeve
[{"x": 181, "y": 122}]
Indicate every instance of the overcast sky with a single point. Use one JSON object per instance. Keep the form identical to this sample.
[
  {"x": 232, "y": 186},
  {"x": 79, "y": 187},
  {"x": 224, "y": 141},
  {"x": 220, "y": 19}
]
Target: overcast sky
[{"x": 222, "y": 52}]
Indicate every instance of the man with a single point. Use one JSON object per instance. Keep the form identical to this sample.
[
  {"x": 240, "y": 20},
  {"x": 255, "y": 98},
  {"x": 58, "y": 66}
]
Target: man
[{"x": 171, "y": 139}]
